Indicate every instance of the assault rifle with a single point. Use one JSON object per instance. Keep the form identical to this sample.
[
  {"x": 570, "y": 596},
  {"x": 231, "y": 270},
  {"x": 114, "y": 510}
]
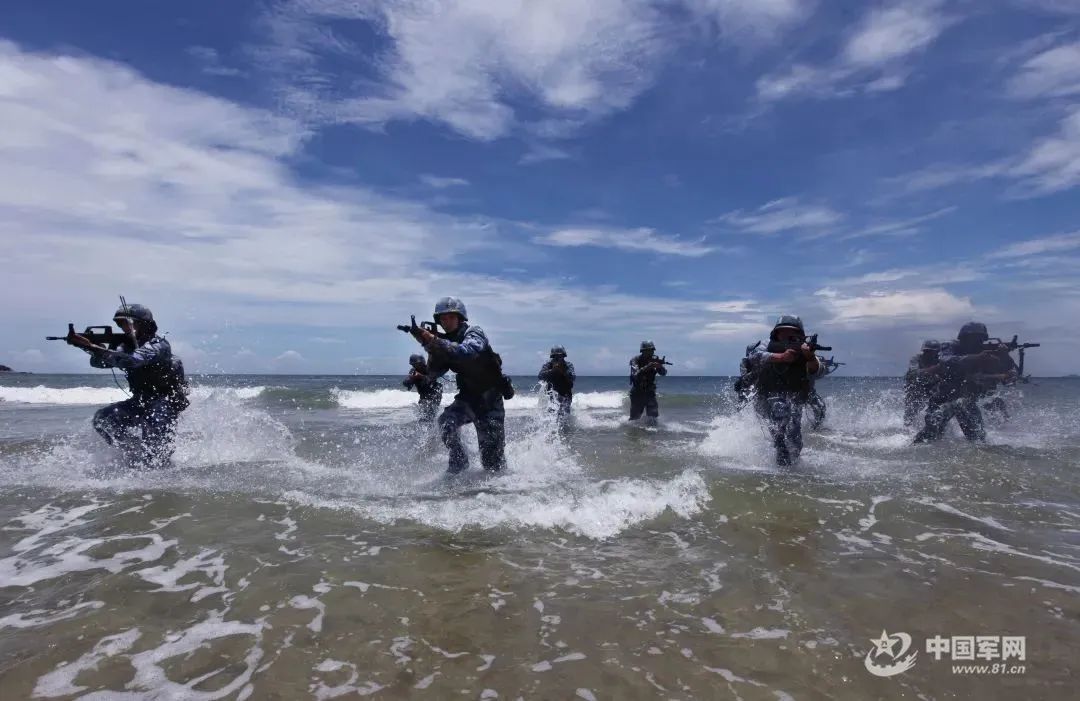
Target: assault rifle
[
  {"x": 995, "y": 344},
  {"x": 812, "y": 342},
  {"x": 662, "y": 360},
  {"x": 413, "y": 327},
  {"x": 831, "y": 364},
  {"x": 98, "y": 335}
]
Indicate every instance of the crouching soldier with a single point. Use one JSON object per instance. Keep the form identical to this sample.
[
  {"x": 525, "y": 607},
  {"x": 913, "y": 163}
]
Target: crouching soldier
[
  {"x": 144, "y": 426},
  {"x": 429, "y": 389},
  {"x": 465, "y": 350}
]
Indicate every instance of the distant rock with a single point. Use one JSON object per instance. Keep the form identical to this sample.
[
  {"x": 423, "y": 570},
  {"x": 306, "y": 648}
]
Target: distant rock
[{"x": 4, "y": 368}]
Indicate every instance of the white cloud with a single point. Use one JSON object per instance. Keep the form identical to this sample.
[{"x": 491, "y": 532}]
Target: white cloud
[
  {"x": 210, "y": 62},
  {"x": 1065, "y": 7},
  {"x": 289, "y": 356},
  {"x": 932, "y": 275},
  {"x": 897, "y": 227},
  {"x": 468, "y": 64},
  {"x": 100, "y": 164},
  {"x": 945, "y": 175},
  {"x": 786, "y": 214},
  {"x": 539, "y": 153},
  {"x": 797, "y": 79},
  {"x": 1039, "y": 246},
  {"x": 642, "y": 239},
  {"x": 1053, "y": 163},
  {"x": 1052, "y": 73},
  {"x": 742, "y": 20},
  {"x": 458, "y": 62},
  {"x": 186, "y": 200},
  {"x": 886, "y": 308},
  {"x": 731, "y": 329},
  {"x": 890, "y": 33},
  {"x": 734, "y": 306},
  {"x": 872, "y": 59},
  {"x": 441, "y": 183}
]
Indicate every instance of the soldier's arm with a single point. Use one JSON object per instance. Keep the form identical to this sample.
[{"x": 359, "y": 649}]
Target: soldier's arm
[
  {"x": 570, "y": 373},
  {"x": 156, "y": 350},
  {"x": 474, "y": 343},
  {"x": 760, "y": 356}
]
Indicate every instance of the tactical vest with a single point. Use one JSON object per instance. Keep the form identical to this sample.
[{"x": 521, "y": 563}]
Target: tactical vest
[
  {"x": 159, "y": 380},
  {"x": 783, "y": 378},
  {"x": 481, "y": 375},
  {"x": 560, "y": 383},
  {"x": 643, "y": 381}
]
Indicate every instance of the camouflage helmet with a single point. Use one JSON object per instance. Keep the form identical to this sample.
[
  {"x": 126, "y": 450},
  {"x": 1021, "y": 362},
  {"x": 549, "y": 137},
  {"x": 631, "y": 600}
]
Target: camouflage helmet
[
  {"x": 787, "y": 321},
  {"x": 647, "y": 346},
  {"x": 930, "y": 345},
  {"x": 451, "y": 305},
  {"x": 558, "y": 352},
  {"x": 973, "y": 328},
  {"x": 133, "y": 312},
  {"x": 416, "y": 359}
]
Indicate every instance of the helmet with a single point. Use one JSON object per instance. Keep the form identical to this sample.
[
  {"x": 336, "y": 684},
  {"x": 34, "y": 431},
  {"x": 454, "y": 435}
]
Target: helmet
[
  {"x": 973, "y": 328},
  {"x": 416, "y": 359},
  {"x": 558, "y": 351},
  {"x": 647, "y": 346},
  {"x": 931, "y": 345},
  {"x": 450, "y": 305},
  {"x": 134, "y": 312},
  {"x": 787, "y": 321}
]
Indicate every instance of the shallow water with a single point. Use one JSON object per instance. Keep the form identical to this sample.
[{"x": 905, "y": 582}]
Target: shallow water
[{"x": 307, "y": 545}]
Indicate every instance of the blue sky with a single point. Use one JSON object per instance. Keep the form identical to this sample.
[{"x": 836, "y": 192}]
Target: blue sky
[{"x": 282, "y": 182}]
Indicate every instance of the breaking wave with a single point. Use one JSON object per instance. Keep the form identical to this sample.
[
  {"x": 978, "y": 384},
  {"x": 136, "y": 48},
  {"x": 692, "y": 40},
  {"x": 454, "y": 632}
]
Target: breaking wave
[
  {"x": 59, "y": 396},
  {"x": 384, "y": 399}
]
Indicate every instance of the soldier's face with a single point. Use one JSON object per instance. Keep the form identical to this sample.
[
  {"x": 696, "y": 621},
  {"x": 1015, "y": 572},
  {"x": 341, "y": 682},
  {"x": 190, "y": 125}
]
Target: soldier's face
[
  {"x": 969, "y": 341},
  {"x": 789, "y": 336},
  {"x": 450, "y": 322}
]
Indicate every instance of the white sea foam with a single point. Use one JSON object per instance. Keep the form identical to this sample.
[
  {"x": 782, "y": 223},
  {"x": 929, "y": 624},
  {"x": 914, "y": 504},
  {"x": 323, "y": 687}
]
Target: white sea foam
[
  {"x": 67, "y": 395},
  {"x": 89, "y": 396},
  {"x": 150, "y": 675},
  {"x": 591, "y": 509},
  {"x": 205, "y": 392},
  {"x": 600, "y": 400},
  {"x": 38, "y": 617},
  {"x": 388, "y": 399},
  {"x": 740, "y": 439},
  {"x": 73, "y": 555},
  {"x": 376, "y": 398}
]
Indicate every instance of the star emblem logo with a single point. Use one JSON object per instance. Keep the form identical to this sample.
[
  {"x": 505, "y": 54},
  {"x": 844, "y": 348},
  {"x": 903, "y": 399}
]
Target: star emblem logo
[{"x": 885, "y": 644}]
